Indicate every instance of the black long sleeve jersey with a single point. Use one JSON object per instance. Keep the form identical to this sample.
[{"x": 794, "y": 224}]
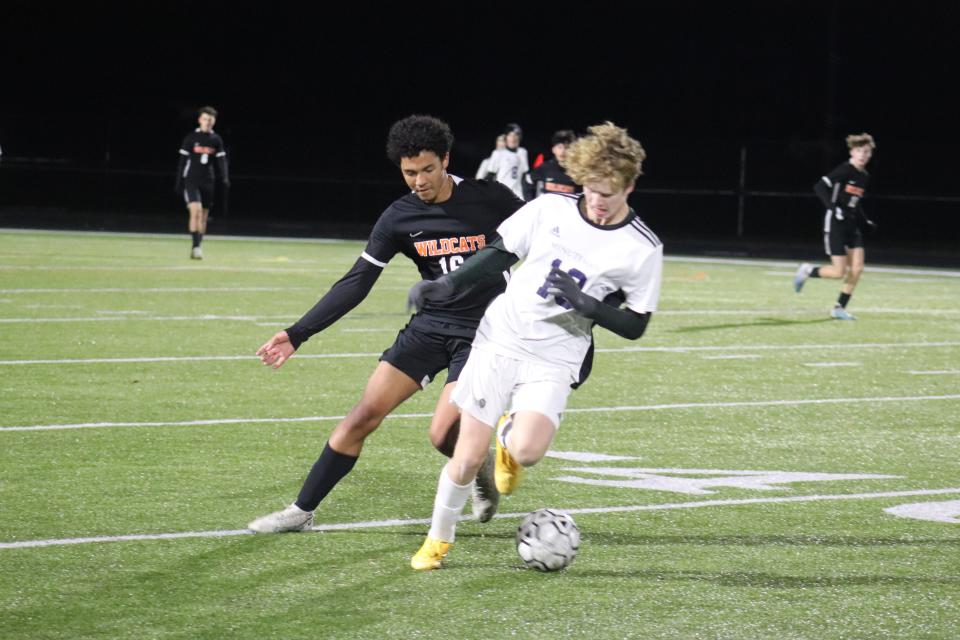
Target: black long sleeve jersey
[
  {"x": 843, "y": 189},
  {"x": 437, "y": 238},
  {"x": 549, "y": 177},
  {"x": 197, "y": 152}
]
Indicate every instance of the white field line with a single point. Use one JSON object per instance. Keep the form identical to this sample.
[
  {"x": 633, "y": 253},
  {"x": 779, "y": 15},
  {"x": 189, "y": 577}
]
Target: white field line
[
  {"x": 200, "y": 318},
  {"x": 281, "y": 239},
  {"x": 376, "y": 524},
  {"x": 168, "y": 236},
  {"x": 832, "y": 364},
  {"x": 789, "y": 264},
  {"x": 324, "y": 356},
  {"x": 782, "y": 347},
  {"x": 794, "y": 263},
  {"x": 743, "y": 356},
  {"x": 150, "y": 289},
  {"x": 675, "y": 312},
  {"x": 161, "y": 268},
  {"x": 941, "y": 372},
  {"x": 399, "y": 416}
]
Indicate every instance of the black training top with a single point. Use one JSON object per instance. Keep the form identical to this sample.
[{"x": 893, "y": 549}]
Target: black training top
[
  {"x": 197, "y": 152},
  {"x": 437, "y": 238},
  {"x": 844, "y": 187},
  {"x": 549, "y": 177}
]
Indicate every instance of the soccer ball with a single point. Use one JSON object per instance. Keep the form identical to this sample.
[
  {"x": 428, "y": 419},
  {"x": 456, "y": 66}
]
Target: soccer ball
[{"x": 548, "y": 540}]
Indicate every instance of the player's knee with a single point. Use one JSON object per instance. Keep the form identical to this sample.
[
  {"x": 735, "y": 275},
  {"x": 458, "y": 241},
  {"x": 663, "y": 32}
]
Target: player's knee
[
  {"x": 526, "y": 454},
  {"x": 444, "y": 438},
  {"x": 466, "y": 465},
  {"x": 856, "y": 270},
  {"x": 363, "y": 419}
]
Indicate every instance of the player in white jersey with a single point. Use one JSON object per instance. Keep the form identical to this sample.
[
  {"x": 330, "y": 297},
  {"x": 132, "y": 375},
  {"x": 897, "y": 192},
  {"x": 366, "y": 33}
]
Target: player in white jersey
[
  {"x": 533, "y": 337},
  {"x": 510, "y": 164}
]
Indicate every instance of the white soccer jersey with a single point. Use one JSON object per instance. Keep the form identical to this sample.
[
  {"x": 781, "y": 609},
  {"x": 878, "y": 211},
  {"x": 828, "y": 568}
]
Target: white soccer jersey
[
  {"x": 509, "y": 167},
  {"x": 526, "y": 322}
]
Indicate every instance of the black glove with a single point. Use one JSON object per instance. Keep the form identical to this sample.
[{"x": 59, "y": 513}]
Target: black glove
[
  {"x": 567, "y": 293},
  {"x": 425, "y": 290}
]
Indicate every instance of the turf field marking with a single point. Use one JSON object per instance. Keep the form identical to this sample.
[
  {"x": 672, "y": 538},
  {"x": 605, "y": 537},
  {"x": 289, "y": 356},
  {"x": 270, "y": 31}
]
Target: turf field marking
[
  {"x": 677, "y": 480},
  {"x": 832, "y": 364},
  {"x": 374, "y": 354},
  {"x": 311, "y": 356},
  {"x": 744, "y": 356},
  {"x": 407, "y": 416},
  {"x": 291, "y": 317},
  {"x": 935, "y": 511},
  {"x": 150, "y": 289},
  {"x": 349, "y": 526},
  {"x": 780, "y": 347},
  {"x": 942, "y": 372},
  {"x": 794, "y": 263}
]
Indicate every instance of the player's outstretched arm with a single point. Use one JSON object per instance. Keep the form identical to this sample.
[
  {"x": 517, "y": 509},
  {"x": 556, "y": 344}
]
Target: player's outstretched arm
[
  {"x": 276, "y": 350},
  {"x": 344, "y": 295},
  {"x": 623, "y": 322},
  {"x": 487, "y": 264}
]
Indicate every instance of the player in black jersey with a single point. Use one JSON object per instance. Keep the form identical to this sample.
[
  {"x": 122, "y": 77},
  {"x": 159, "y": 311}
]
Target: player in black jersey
[
  {"x": 550, "y": 177},
  {"x": 195, "y": 176},
  {"x": 441, "y": 223},
  {"x": 842, "y": 191}
]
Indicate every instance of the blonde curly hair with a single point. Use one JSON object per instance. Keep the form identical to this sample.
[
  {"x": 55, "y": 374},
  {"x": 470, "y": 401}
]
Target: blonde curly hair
[
  {"x": 607, "y": 152},
  {"x": 860, "y": 140}
]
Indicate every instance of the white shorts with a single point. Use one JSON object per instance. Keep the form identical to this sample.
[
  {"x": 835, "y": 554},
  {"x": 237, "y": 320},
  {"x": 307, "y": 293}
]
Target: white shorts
[{"x": 491, "y": 384}]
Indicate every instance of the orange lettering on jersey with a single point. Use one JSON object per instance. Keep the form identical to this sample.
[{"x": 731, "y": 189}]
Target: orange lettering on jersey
[
  {"x": 198, "y": 149},
  {"x": 445, "y": 246},
  {"x": 854, "y": 189},
  {"x": 556, "y": 187}
]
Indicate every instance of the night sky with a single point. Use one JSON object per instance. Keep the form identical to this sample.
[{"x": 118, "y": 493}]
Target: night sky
[{"x": 311, "y": 92}]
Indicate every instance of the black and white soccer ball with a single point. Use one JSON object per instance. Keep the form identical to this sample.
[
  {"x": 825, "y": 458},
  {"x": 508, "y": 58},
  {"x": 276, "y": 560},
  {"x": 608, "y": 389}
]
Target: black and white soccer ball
[{"x": 548, "y": 540}]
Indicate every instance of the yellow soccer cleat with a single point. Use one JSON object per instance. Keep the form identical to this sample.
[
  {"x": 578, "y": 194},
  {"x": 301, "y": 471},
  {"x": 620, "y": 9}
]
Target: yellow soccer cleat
[
  {"x": 507, "y": 471},
  {"x": 431, "y": 554}
]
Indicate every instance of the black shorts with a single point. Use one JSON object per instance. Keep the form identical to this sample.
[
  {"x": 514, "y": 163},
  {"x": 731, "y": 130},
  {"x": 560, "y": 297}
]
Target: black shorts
[
  {"x": 201, "y": 192},
  {"x": 426, "y": 347},
  {"x": 840, "y": 235}
]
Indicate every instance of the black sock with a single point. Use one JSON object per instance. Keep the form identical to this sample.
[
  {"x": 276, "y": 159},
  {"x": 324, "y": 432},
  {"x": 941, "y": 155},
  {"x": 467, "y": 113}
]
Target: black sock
[
  {"x": 327, "y": 471},
  {"x": 844, "y": 299},
  {"x": 815, "y": 272},
  {"x": 197, "y": 237}
]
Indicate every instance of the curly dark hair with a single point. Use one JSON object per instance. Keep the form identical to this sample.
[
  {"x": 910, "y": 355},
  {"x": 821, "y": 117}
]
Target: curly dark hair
[{"x": 413, "y": 134}]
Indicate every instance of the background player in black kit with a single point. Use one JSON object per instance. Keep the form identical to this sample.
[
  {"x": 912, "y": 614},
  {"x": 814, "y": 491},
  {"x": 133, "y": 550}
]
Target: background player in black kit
[
  {"x": 444, "y": 221},
  {"x": 842, "y": 191},
  {"x": 195, "y": 176},
  {"x": 550, "y": 177}
]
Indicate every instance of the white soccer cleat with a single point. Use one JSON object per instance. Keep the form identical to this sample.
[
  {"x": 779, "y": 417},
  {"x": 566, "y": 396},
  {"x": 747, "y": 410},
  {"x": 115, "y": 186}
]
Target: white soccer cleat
[
  {"x": 293, "y": 518},
  {"x": 196, "y": 254},
  {"x": 839, "y": 313},
  {"x": 800, "y": 277},
  {"x": 484, "y": 494}
]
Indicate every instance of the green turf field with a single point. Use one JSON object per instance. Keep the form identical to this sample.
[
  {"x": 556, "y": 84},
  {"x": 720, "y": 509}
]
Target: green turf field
[{"x": 132, "y": 368}]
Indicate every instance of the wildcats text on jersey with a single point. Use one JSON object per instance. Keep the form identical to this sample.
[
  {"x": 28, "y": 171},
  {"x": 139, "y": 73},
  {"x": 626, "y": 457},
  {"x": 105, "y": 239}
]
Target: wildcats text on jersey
[{"x": 444, "y": 246}]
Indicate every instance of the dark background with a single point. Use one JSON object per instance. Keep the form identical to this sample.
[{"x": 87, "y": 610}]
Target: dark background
[{"x": 96, "y": 100}]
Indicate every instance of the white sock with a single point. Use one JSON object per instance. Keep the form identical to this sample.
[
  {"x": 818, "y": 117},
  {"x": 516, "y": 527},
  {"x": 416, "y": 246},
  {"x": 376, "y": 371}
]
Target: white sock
[{"x": 447, "y": 507}]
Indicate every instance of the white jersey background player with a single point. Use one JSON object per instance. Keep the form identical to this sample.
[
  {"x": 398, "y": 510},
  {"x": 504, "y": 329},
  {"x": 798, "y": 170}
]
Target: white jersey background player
[
  {"x": 532, "y": 339},
  {"x": 509, "y": 164}
]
